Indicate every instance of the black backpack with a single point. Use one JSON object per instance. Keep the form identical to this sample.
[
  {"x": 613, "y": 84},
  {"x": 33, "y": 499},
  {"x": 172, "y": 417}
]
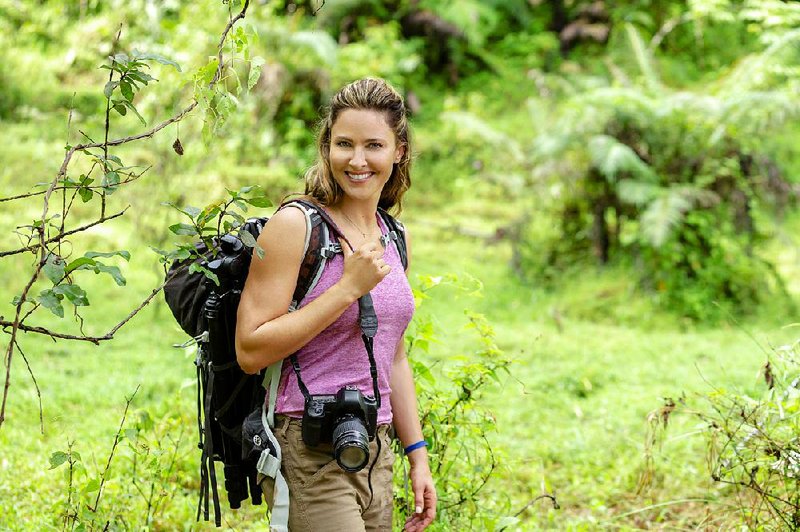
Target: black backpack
[{"x": 207, "y": 312}]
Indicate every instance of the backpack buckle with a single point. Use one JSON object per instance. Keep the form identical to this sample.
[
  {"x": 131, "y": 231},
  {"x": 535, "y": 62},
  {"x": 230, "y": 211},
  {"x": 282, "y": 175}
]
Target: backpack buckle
[{"x": 330, "y": 250}]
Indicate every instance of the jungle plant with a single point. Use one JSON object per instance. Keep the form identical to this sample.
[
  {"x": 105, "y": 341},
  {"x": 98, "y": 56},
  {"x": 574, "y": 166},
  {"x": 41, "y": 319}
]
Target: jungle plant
[
  {"x": 752, "y": 441},
  {"x": 677, "y": 177},
  {"x": 455, "y": 424}
]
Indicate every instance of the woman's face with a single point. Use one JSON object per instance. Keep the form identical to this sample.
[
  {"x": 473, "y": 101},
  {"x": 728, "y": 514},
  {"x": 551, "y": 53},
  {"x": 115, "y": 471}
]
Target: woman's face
[{"x": 363, "y": 152}]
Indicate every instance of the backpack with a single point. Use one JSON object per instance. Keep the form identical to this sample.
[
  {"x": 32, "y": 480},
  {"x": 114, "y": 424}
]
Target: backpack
[{"x": 206, "y": 311}]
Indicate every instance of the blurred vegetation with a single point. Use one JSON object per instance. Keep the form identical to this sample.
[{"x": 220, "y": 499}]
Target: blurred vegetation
[{"x": 621, "y": 176}]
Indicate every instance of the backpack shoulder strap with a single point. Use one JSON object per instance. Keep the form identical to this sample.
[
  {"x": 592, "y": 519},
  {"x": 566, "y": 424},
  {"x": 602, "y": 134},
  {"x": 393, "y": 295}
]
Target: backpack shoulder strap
[
  {"x": 320, "y": 245},
  {"x": 397, "y": 234}
]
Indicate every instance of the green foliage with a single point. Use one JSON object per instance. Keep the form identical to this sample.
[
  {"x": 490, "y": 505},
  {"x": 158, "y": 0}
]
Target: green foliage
[
  {"x": 455, "y": 423},
  {"x": 676, "y": 178},
  {"x": 752, "y": 440}
]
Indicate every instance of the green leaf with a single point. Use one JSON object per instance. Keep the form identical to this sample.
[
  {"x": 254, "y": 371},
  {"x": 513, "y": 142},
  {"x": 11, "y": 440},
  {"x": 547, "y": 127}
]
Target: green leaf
[
  {"x": 141, "y": 77},
  {"x": 109, "y": 88},
  {"x": 113, "y": 271},
  {"x": 81, "y": 263},
  {"x": 197, "y": 267},
  {"x": 255, "y": 71},
  {"x": 206, "y": 73},
  {"x": 110, "y": 181},
  {"x": 127, "y": 90},
  {"x": 74, "y": 294},
  {"x": 130, "y": 106},
  {"x": 57, "y": 458},
  {"x": 121, "y": 58},
  {"x": 91, "y": 486},
  {"x": 54, "y": 268},
  {"x": 260, "y": 201},
  {"x": 183, "y": 229},
  {"x": 247, "y": 239},
  {"x": 122, "y": 253},
  {"x": 85, "y": 194},
  {"x": 50, "y": 300},
  {"x": 259, "y": 251},
  {"x": 156, "y": 57}
]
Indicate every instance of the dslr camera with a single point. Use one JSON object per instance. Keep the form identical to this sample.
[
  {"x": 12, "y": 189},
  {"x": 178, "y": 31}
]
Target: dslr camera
[{"x": 347, "y": 420}]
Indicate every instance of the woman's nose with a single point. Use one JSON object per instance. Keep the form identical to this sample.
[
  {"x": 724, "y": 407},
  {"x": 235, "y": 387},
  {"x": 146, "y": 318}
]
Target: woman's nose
[{"x": 358, "y": 159}]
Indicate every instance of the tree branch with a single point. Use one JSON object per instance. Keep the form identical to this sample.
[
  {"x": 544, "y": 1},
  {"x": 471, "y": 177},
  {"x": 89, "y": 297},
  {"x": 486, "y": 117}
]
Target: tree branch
[{"x": 63, "y": 235}]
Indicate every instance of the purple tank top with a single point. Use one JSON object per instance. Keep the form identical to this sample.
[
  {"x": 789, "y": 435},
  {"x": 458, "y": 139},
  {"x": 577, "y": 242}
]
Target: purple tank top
[{"x": 337, "y": 357}]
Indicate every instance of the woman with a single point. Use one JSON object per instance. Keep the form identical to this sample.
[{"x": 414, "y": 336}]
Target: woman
[{"x": 363, "y": 163}]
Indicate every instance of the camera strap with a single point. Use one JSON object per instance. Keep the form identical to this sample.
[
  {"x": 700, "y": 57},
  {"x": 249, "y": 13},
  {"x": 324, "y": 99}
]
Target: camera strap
[{"x": 368, "y": 321}]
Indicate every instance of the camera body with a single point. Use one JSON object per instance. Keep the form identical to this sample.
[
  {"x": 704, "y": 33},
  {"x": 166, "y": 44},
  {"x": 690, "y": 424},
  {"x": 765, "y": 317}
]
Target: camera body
[{"x": 325, "y": 413}]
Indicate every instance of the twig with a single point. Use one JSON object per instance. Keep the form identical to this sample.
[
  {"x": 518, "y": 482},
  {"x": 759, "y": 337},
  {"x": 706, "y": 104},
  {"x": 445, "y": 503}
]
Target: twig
[
  {"x": 128, "y": 401},
  {"x": 93, "y": 339},
  {"x": 61, "y": 236},
  {"x": 35, "y": 385}
]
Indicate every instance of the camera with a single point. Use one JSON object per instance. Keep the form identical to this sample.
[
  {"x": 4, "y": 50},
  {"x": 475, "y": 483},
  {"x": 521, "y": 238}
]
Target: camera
[{"x": 347, "y": 420}]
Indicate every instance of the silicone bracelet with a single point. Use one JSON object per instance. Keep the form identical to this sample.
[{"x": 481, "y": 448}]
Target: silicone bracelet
[{"x": 415, "y": 446}]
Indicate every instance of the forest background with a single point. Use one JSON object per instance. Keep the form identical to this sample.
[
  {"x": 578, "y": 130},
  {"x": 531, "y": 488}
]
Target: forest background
[{"x": 604, "y": 217}]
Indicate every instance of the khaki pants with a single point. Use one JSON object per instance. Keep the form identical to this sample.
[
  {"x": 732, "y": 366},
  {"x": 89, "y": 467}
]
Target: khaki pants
[{"x": 324, "y": 497}]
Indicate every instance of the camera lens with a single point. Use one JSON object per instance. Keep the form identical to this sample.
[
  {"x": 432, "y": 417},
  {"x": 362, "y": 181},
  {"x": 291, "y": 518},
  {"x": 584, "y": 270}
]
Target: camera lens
[{"x": 351, "y": 444}]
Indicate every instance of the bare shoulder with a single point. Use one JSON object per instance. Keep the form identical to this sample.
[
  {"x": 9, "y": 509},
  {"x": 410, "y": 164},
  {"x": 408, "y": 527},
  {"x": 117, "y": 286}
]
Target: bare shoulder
[{"x": 288, "y": 223}]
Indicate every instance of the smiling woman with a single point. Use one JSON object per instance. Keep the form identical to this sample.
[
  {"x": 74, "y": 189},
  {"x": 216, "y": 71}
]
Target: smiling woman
[{"x": 336, "y": 417}]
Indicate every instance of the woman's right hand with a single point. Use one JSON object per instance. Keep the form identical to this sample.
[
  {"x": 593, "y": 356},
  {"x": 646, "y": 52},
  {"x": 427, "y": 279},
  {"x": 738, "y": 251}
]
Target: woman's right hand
[{"x": 364, "y": 267}]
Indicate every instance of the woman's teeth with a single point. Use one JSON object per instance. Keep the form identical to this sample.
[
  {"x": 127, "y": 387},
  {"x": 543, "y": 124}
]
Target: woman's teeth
[{"x": 359, "y": 177}]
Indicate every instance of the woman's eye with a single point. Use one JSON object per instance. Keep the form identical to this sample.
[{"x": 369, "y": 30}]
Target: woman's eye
[
  {"x": 375, "y": 145},
  {"x": 343, "y": 144}
]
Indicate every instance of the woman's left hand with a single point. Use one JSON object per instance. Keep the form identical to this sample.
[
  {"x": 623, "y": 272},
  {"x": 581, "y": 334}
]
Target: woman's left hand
[{"x": 424, "y": 497}]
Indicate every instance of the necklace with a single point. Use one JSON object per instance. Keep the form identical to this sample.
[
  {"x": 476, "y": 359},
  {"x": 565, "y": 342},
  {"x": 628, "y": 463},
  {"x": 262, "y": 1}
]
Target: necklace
[{"x": 363, "y": 234}]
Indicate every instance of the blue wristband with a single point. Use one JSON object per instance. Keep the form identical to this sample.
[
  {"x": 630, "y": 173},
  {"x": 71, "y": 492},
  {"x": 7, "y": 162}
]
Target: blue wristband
[{"x": 415, "y": 446}]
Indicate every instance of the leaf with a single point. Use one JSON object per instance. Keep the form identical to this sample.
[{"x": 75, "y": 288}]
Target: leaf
[
  {"x": 611, "y": 157},
  {"x": 54, "y": 268},
  {"x": 247, "y": 239},
  {"x": 91, "y": 486},
  {"x": 183, "y": 229},
  {"x": 81, "y": 263},
  {"x": 57, "y": 458},
  {"x": 121, "y": 58},
  {"x": 156, "y": 57},
  {"x": 127, "y": 90},
  {"x": 110, "y": 181},
  {"x": 74, "y": 294},
  {"x": 141, "y": 77},
  {"x": 109, "y": 88},
  {"x": 177, "y": 146},
  {"x": 50, "y": 300},
  {"x": 197, "y": 267},
  {"x": 130, "y": 106},
  {"x": 259, "y": 201},
  {"x": 663, "y": 214},
  {"x": 122, "y": 253},
  {"x": 113, "y": 271},
  {"x": 85, "y": 194},
  {"x": 259, "y": 251},
  {"x": 255, "y": 71}
]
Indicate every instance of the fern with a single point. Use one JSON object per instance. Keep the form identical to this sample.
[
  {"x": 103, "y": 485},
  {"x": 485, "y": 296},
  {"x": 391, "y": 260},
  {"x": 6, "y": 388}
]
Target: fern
[{"x": 611, "y": 157}]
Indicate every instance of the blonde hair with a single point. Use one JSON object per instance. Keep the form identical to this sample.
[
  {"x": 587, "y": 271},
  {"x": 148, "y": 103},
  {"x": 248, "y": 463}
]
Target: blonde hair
[{"x": 372, "y": 94}]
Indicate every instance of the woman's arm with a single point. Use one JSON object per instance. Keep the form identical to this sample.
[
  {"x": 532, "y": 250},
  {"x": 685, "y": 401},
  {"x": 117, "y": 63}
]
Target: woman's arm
[{"x": 265, "y": 331}]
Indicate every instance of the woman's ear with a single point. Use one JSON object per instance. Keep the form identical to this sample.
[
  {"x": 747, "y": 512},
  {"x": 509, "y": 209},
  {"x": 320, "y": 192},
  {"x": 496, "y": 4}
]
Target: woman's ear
[{"x": 399, "y": 153}]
